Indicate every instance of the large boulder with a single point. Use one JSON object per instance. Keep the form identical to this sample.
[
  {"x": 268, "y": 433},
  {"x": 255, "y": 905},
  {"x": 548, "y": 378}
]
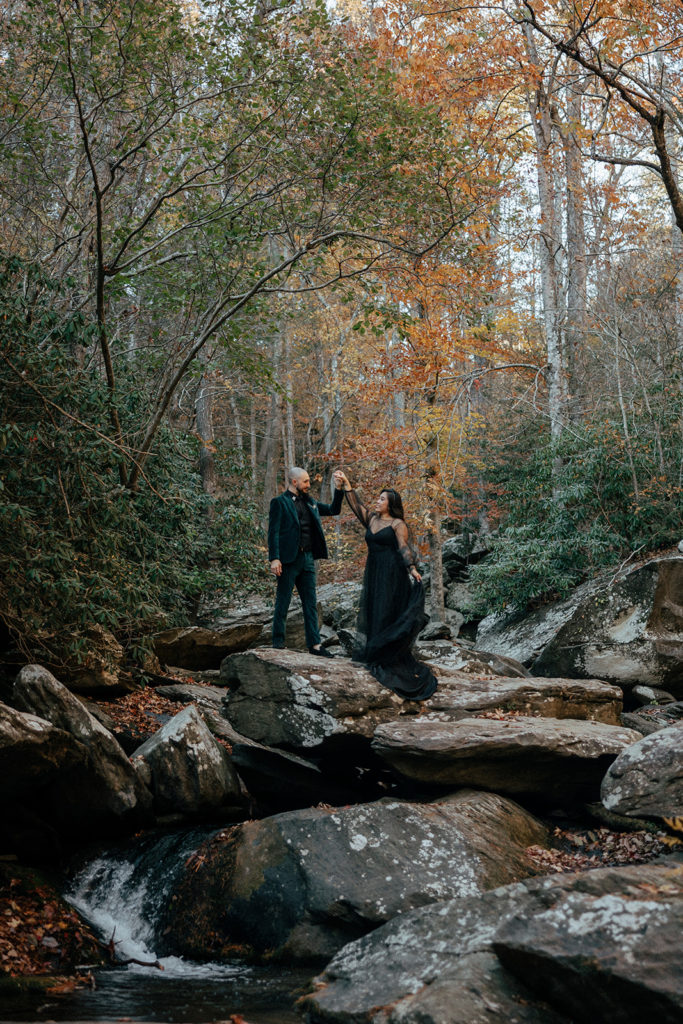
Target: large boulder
[
  {"x": 546, "y": 757},
  {"x": 470, "y": 660},
  {"x": 653, "y": 717},
  {"x": 339, "y": 603},
  {"x": 303, "y": 702},
  {"x": 302, "y": 884},
  {"x": 614, "y": 957},
  {"x": 628, "y": 631},
  {"x": 107, "y": 795},
  {"x": 256, "y": 610},
  {"x": 437, "y": 965},
  {"x": 461, "y": 551},
  {"x": 33, "y": 752},
  {"x": 187, "y": 770},
  {"x": 99, "y": 669},
  {"x": 646, "y": 779},
  {"x": 196, "y": 647},
  {"x": 276, "y": 779}
]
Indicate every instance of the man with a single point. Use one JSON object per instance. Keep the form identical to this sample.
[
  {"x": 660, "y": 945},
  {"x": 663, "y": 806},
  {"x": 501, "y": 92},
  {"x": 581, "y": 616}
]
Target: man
[{"x": 295, "y": 540}]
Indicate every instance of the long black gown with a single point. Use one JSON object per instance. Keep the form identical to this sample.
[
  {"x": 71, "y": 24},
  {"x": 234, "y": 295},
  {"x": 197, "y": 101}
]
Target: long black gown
[{"x": 392, "y": 608}]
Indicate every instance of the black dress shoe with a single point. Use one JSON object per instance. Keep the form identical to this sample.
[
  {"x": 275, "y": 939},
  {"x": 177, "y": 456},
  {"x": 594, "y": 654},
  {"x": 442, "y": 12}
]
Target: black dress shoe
[{"x": 321, "y": 652}]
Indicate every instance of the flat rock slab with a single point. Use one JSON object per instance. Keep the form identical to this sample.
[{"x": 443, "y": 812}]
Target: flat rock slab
[
  {"x": 586, "y": 699},
  {"x": 541, "y": 756},
  {"x": 436, "y": 964},
  {"x": 302, "y": 884},
  {"x": 646, "y": 780},
  {"x": 303, "y": 702}
]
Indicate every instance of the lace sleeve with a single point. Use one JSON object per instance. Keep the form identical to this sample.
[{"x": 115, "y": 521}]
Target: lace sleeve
[
  {"x": 405, "y": 550},
  {"x": 357, "y": 507}
]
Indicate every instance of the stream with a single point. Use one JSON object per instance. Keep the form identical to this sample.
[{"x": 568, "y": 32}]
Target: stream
[{"x": 122, "y": 894}]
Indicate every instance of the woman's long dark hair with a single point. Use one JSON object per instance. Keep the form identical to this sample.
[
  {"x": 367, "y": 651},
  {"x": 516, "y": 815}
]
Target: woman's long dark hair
[{"x": 395, "y": 508}]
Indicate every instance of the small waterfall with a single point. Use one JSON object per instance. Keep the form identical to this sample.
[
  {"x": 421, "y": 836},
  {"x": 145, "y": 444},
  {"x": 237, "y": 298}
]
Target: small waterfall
[{"x": 123, "y": 894}]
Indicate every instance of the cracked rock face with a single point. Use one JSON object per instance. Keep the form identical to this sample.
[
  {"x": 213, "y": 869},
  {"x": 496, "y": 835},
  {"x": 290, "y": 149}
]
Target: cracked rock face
[
  {"x": 544, "y": 756},
  {"x": 646, "y": 780},
  {"x": 504, "y": 956},
  {"x": 302, "y": 884},
  {"x": 628, "y": 631}
]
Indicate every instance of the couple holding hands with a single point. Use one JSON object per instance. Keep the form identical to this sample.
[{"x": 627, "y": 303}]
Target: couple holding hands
[{"x": 392, "y": 600}]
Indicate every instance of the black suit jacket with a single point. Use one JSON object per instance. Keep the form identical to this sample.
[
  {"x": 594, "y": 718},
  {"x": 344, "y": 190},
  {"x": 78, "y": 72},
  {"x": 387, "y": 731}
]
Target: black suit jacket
[{"x": 284, "y": 534}]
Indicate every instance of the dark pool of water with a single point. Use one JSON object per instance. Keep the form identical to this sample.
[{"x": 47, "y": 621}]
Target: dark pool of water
[{"x": 261, "y": 995}]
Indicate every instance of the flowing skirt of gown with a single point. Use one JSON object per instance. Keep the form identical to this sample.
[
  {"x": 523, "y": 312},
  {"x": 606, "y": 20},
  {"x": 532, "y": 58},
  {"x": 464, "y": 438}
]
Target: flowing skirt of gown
[{"x": 391, "y": 615}]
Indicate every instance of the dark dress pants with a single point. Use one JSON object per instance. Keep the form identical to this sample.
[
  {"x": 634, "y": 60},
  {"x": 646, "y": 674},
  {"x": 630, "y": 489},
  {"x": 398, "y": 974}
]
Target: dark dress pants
[{"x": 300, "y": 574}]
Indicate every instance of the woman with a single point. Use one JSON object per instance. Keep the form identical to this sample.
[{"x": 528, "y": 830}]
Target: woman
[{"x": 392, "y": 601}]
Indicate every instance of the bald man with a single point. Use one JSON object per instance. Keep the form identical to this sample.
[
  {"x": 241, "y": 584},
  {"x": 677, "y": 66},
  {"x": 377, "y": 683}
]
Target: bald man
[{"x": 295, "y": 540}]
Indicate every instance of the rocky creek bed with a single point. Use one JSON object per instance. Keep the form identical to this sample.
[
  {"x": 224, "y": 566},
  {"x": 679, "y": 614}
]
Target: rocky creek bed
[{"x": 290, "y": 841}]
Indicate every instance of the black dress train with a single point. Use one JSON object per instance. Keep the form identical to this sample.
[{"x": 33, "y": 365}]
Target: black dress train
[{"x": 391, "y": 609}]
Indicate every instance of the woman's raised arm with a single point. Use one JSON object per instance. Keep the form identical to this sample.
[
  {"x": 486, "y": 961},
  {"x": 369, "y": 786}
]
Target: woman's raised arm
[{"x": 356, "y": 505}]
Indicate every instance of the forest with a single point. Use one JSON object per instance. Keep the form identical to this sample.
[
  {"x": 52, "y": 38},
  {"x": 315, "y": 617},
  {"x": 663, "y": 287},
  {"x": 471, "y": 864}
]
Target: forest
[{"x": 436, "y": 243}]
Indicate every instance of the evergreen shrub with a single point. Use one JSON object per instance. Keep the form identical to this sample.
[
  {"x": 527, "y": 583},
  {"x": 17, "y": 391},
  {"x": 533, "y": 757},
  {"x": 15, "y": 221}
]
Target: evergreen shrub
[{"x": 76, "y": 547}]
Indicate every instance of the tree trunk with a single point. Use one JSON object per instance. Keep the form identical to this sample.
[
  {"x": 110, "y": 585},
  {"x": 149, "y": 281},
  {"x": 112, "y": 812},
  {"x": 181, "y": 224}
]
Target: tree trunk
[
  {"x": 436, "y": 600},
  {"x": 550, "y": 242},
  {"x": 204, "y": 416},
  {"x": 576, "y": 251}
]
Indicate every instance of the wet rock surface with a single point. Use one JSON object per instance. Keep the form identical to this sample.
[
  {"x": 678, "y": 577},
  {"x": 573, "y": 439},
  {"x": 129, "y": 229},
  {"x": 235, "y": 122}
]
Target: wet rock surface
[
  {"x": 438, "y": 964},
  {"x": 548, "y": 757},
  {"x": 302, "y": 884},
  {"x": 646, "y": 779}
]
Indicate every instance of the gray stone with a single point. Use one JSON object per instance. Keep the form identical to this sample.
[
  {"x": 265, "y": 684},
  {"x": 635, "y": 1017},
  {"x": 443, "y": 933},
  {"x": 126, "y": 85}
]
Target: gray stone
[
  {"x": 188, "y": 771},
  {"x": 653, "y": 717},
  {"x": 459, "y": 597},
  {"x": 435, "y": 964},
  {"x": 33, "y": 752},
  {"x": 339, "y": 603},
  {"x": 614, "y": 957},
  {"x": 435, "y": 630},
  {"x": 646, "y": 779},
  {"x": 461, "y": 695},
  {"x": 466, "y": 658},
  {"x": 301, "y": 884},
  {"x": 651, "y": 695},
  {"x": 542, "y": 756},
  {"x": 302, "y": 702},
  {"x": 195, "y": 647},
  {"x": 99, "y": 669},
  {"x": 108, "y": 793},
  {"x": 628, "y": 631}
]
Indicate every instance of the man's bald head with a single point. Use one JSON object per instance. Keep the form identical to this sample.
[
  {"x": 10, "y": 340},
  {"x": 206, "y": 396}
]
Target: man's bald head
[{"x": 299, "y": 480}]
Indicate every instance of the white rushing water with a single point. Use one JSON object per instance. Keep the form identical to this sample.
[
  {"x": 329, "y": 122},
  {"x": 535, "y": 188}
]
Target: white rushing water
[{"x": 122, "y": 894}]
